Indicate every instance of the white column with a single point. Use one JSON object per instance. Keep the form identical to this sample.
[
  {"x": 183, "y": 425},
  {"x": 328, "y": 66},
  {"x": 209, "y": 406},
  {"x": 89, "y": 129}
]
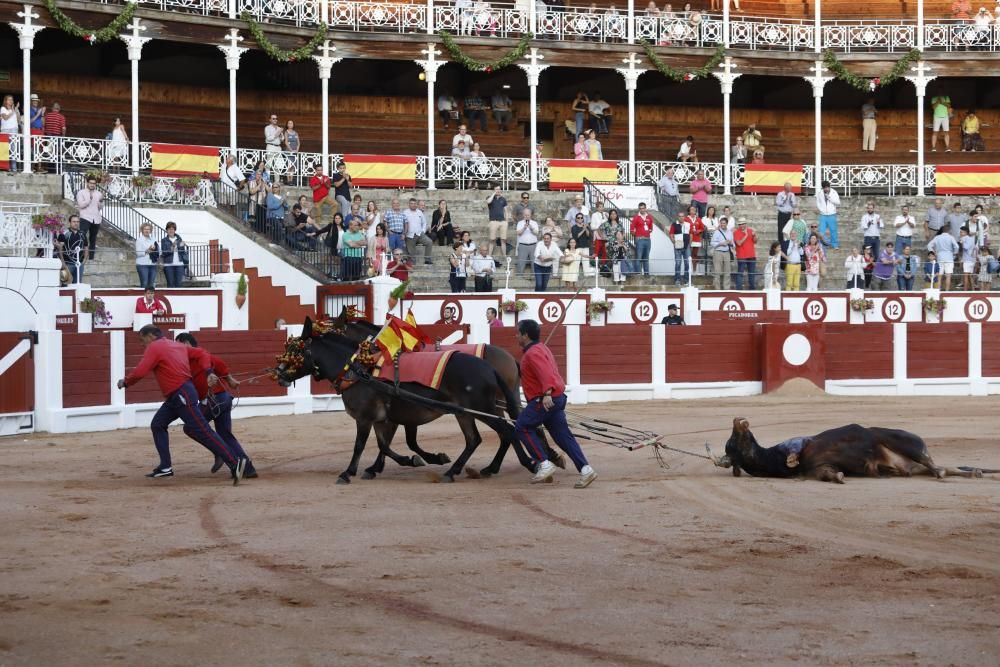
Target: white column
[
  {"x": 630, "y": 27},
  {"x": 26, "y": 32},
  {"x": 324, "y": 13},
  {"x": 920, "y": 79},
  {"x": 819, "y": 28},
  {"x": 231, "y": 8},
  {"x": 920, "y": 24},
  {"x": 726, "y": 79},
  {"x": 325, "y": 63},
  {"x": 818, "y": 81},
  {"x": 532, "y": 18},
  {"x": 631, "y": 74},
  {"x": 429, "y": 21},
  {"x": 430, "y": 65},
  {"x": 533, "y": 69},
  {"x": 135, "y": 43},
  {"x": 233, "y": 51},
  {"x": 725, "y": 24}
]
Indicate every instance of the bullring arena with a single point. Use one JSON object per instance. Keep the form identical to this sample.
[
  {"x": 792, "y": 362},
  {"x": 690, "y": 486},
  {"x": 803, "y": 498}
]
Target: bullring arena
[{"x": 181, "y": 134}]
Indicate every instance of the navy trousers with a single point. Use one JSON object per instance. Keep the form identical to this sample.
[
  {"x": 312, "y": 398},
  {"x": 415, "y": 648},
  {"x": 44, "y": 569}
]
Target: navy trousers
[
  {"x": 183, "y": 405},
  {"x": 218, "y": 409},
  {"x": 554, "y": 420}
]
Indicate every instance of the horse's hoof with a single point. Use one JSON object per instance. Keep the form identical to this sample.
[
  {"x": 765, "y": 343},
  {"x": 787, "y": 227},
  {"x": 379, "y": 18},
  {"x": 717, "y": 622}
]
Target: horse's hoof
[
  {"x": 558, "y": 461},
  {"x": 977, "y": 473},
  {"x": 416, "y": 461},
  {"x": 486, "y": 472},
  {"x": 343, "y": 480},
  {"x": 839, "y": 478},
  {"x": 471, "y": 473},
  {"x": 448, "y": 477},
  {"x": 443, "y": 458},
  {"x": 368, "y": 474}
]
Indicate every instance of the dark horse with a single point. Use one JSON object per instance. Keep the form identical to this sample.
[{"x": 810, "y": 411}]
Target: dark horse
[
  {"x": 830, "y": 455},
  {"x": 498, "y": 358},
  {"x": 468, "y": 383}
]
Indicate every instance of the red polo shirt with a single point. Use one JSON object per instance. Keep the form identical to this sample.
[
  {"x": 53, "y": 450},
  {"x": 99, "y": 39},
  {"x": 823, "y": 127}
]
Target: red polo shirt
[
  {"x": 748, "y": 249},
  {"x": 168, "y": 361},
  {"x": 641, "y": 227},
  {"x": 55, "y": 124},
  {"x": 539, "y": 372},
  {"x": 320, "y": 185},
  {"x": 201, "y": 362},
  {"x": 142, "y": 307}
]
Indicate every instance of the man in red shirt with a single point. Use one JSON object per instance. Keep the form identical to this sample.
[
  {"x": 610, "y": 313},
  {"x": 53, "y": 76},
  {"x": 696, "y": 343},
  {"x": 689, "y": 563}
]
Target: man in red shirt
[
  {"x": 320, "y": 185},
  {"x": 398, "y": 267},
  {"x": 746, "y": 253},
  {"x": 642, "y": 228},
  {"x": 148, "y": 303},
  {"x": 545, "y": 391},
  {"x": 169, "y": 362},
  {"x": 215, "y": 400}
]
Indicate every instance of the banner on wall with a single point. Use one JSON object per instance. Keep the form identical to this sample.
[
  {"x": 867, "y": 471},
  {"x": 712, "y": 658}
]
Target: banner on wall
[
  {"x": 181, "y": 160},
  {"x": 629, "y": 196},
  {"x": 967, "y": 179},
  {"x": 771, "y": 178},
  {"x": 382, "y": 171},
  {"x": 4, "y": 151},
  {"x": 569, "y": 174}
]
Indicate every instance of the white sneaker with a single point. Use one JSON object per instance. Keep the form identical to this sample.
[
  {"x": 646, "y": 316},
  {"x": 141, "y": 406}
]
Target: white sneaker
[
  {"x": 544, "y": 473},
  {"x": 587, "y": 475}
]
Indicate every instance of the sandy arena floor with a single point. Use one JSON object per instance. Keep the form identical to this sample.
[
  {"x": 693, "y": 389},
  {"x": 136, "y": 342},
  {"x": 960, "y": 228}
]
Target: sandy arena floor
[{"x": 687, "y": 566}]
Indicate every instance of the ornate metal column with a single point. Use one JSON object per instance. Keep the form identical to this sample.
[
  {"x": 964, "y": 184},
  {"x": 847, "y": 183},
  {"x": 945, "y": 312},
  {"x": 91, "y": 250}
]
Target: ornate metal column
[
  {"x": 920, "y": 79},
  {"x": 818, "y": 82},
  {"x": 430, "y": 65},
  {"x": 325, "y": 63},
  {"x": 135, "y": 42},
  {"x": 232, "y": 51},
  {"x": 26, "y": 32},
  {"x": 726, "y": 79},
  {"x": 631, "y": 74},
  {"x": 533, "y": 69}
]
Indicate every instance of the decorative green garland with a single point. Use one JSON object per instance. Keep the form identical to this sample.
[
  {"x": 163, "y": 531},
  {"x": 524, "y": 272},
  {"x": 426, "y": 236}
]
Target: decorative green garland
[
  {"x": 471, "y": 64},
  {"x": 282, "y": 55},
  {"x": 105, "y": 34},
  {"x": 682, "y": 74},
  {"x": 861, "y": 83}
]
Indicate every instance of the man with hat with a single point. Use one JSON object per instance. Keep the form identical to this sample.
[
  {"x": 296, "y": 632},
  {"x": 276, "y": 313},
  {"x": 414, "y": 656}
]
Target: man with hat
[
  {"x": 673, "y": 317},
  {"x": 745, "y": 239}
]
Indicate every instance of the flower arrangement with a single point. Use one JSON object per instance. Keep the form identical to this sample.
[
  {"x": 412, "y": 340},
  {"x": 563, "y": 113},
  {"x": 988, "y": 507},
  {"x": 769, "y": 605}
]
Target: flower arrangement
[
  {"x": 514, "y": 306},
  {"x": 96, "y": 306},
  {"x": 142, "y": 182},
  {"x": 102, "y": 177},
  {"x": 932, "y": 305},
  {"x": 861, "y": 305},
  {"x": 598, "y": 308},
  {"x": 49, "y": 222},
  {"x": 187, "y": 184},
  {"x": 473, "y": 65}
]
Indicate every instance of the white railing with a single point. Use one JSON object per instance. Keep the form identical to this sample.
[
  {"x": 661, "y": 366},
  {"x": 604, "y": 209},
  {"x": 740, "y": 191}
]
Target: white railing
[
  {"x": 506, "y": 20},
  {"x": 18, "y": 238}
]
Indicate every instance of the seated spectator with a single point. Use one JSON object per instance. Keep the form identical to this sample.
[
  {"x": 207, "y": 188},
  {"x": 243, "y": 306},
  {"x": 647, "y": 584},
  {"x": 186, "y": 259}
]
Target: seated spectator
[
  {"x": 148, "y": 303},
  {"x": 758, "y": 157},
  {"x": 475, "y": 108},
  {"x": 752, "y": 139},
  {"x": 501, "y": 109},
  {"x": 483, "y": 267},
  {"x": 600, "y": 114},
  {"x": 673, "y": 317},
  {"x": 296, "y": 223},
  {"x": 460, "y": 155},
  {"x": 447, "y": 109},
  {"x": 478, "y": 167},
  {"x": 972, "y": 141},
  {"x": 462, "y": 137},
  {"x": 687, "y": 151},
  {"x": 960, "y": 10},
  {"x": 399, "y": 268}
]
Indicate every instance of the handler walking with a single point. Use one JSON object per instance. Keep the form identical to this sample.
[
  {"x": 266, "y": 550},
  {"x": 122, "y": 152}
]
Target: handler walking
[
  {"x": 169, "y": 362},
  {"x": 545, "y": 390}
]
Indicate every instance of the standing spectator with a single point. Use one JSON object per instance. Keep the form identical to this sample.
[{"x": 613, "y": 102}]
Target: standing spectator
[
  {"x": 932, "y": 271},
  {"x": 600, "y": 115},
  {"x": 970, "y": 251},
  {"x": 276, "y": 206},
  {"x": 353, "y": 245},
  {"x": 320, "y": 184},
  {"x": 700, "y": 187},
  {"x": 231, "y": 175},
  {"x": 73, "y": 245},
  {"x": 577, "y": 207},
  {"x": 174, "y": 253},
  {"x": 905, "y": 225},
  {"x": 398, "y": 267},
  {"x": 500, "y": 102},
  {"x": 955, "y": 221},
  {"x": 547, "y": 256},
  {"x": 884, "y": 268},
  {"x": 527, "y": 239},
  {"x": 90, "y": 202},
  {"x": 979, "y": 226},
  {"x": 273, "y": 134},
  {"x": 447, "y": 109},
  {"x": 342, "y": 189},
  {"x": 260, "y": 187},
  {"x": 985, "y": 278},
  {"x": 597, "y": 221},
  {"x": 793, "y": 262},
  {"x": 960, "y": 10},
  {"x": 460, "y": 156},
  {"x": 612, "y": 225},
  {"x": 356, "y": 214},
  {"x": 752, "y": 139},
  {"x": 680, "y": 236},
  {"x": 687, "y": 152},
  {"x": 906, "y": 270},
  {"x": 521, "y": 205},
  {"x": 594, "y": 150},
  {"x": 36, "y": 123},
  {"x": 934, "y": 221},
  {"x": 290, "y": 143},
  {"x": 483, "y": 268},
  {"x": 378, "y": 248},
  {"x": 827, "y": 201},
  {"x": 745, "y": 239},
  {"x": 581, "y": 234},
  {"x": 580, "y": 147},
  {"x": 146, "y": 256},
  {"x": 416, "y": 232},
  {"x": 570, "y": 264},
  {"x": 854, "y": 267},
  {"x": 373, "y": 217},
  {"x": 552, "y": 228},
  {"x": 668, "y": 195},
  {"x": 10, "y": 124},
  {"x": 795, "y": 224},
  {"x": 619, "y": 251},
  {"x": 468, "y": 247},
  {"x": 941, "y": 112},
  {"x": 395, "y": 222},
  {"x": 869, "y": 263},
  {"x": 773, "y": 267},
  {"x": 463, "y": 137},
  {"x": 815, "y": 259},
  {"x": 642, "y": 230},
  {"x": 581, "y": 107},
  {"x": 871, "y": 227},
  {"x": 442, "y": 230},
  {"x": 786, "y": 202},
  {"x": 738, "y": 153},
  {"x": 475, "y": 108},
  {"x": 697, "y": 231},
  {"x": 971, "y": 139},
  {"x": 55, "y": 122},
  {"x": 119, "y": 144},
  {"x": 869, "y": 125},
  {"x": 456, "y": 274},
  {"x": 722, "y": 255},
  {"x": 496, "y": 205}
]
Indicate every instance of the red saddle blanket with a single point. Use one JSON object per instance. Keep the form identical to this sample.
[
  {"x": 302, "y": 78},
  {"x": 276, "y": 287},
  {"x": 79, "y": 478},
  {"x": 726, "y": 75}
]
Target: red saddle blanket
[
  {"x": 477, "y": 350},
  {"x": 426, "y": 368}
]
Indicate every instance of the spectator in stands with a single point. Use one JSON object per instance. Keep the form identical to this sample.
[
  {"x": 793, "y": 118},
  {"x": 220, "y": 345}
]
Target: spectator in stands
[
  {"x": 273, "y": 134},
  {"x": 372, "y": 219},
  {"x": 73, "y": 245},
  {"x": 378, "y": 248},
  {"x": 786, "y": 202},
  {"x": 416, "y": 232},
  {"x": 36, "y": 124},
  {"x": 815, "y": 261},
  {"x": 448, "y": 316},
  {"x": 600, "y": 115},
  {"x": 119, "y": 144},
  {"x": 697, "y": 232},
  {"x": 475, "y": 108},
  {"x": 871, "y": 228},
  {"x": 496, "y": 206},
  {"x": 772, "y": 269},
  {"x": 290, "y": 143},
  {"x": 612, "y": 225},
  {"x": 259, "y": 185},
  {"x": 232, "y": 175},
  {"x": 700, "y": 188},
  {"x": 447, "y": 109},
  {"x": 457, "y": 273},
  {"x": 462, "y": 137},
  {"x": 641, "y": 228},
  {"x": 55, "y": 122},
  {"x": 960, "y": 10},
  {"x": 146, "y": 256},
  {"x": 581, "y": 233},
  {"x": 527, "y": 240},
  {"x": 149, "y": 304},
  {"x": 320, "y": 184},
  {"x": 552, "y": 228},
  {"x": 680, "y": 236},
  {"x": 668, "y": 195},
  {"x": 569, "y": 264},
  {"x": 752, "y": 139},
  {"x": 758, "y": 157},
  {"x": 594, "y": 150},
  {"x": 905, "y": 225},
  {"x": 619, "y": 252},
  {"x": 442, "y": 230},
  {"x": 276, "y": 206},
  {"x": 673, "y": 317},
  {"x": 687, "y": 152},
  {"x": 395, "y": 222},
  {"x": 577, "y": 206},
  {"x": 353, "y": 246},
  {"x": 745, "y": 239},
  {"x": 580, "y": 147},
  {"x": 722, "y": 255},
  {"x": 796, "y": 224},
  {"x": 792, "y": 254},
  {"x": 869, "y": 263},
  {"x": 460, "y": 157},
  {"x": 970, "y": 251},
  {"x": 342, "y": 189},
  {"x": 547, "y": 256},
  {"x": 399, "y": 268},
  {"x": 492, "y": 318},
  {"x": 932, "y": 271},
  {"x": 738, "y": 153},
  {"x": 979, "y": 226},
  {"x": 483, "y": 268},
  {"x": 906, "y": 270},
  {"x": 955, "y": 221},
  {"x": 356, "y": 214},
  {"x": 869, "y": 125},
  {"x": 90, "y": 202},
  {"x": 500, "y": 102},
  {"x": 854, "y": 268},
  {"x": 884, "y": 268},
  {"x": 935, "y": 219},
  {"x": 295, "y": 223},
  {"x": 971, "y": 139},
  {"x": 941, "y": 112},
  {"x": 331, "y": 233},
  {"x": 520, "y": 206},
  {"x": 827, "y": 201},
  {"x": 10, "y": 124},
  {"x": 174, "y": 255},
  {"x": 581, "y": 109}
]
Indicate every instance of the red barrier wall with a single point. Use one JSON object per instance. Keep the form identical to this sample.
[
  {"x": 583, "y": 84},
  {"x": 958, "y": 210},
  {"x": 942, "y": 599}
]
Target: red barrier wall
[
  {"x": 937, "y": 350},
  {"x": 247, "y": 353},
  {"x": 713, "y": 353},
  {"x": 615, "y": 354},
  {"x": 991, "y": 350},
  {"x": 505, "y": 339},
  {"x": 146, "y": 390},
  {"x": 17, "y": 383},
  {"x": 86, "y": 359},
  {"x": 858, "y": 352}
]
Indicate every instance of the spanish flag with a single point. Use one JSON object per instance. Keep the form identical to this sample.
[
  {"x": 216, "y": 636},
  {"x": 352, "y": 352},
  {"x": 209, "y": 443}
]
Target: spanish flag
[
  {"x": 382, "y": 171},
  {"x": 967, "y": 179},
  {"x": 181, "y": 160},
  {"x": 764, "y": 178},
  {"x": 399, "y": 335},
  {"x": 410, "y": 318},
  {"x": 569, "y": 174},
  {"x": 4, "y": 151}
]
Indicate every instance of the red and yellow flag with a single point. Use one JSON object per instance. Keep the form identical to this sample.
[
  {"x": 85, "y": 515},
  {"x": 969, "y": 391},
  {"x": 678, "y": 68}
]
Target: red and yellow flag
[
  {"x": 4, "y": 151},
  {"x": 569, "y": 174},
  {"x": 764, "y": 178},
  {"x": 382, "y": 171},
  {"x": 967, "y": 179},
  {"x": 181, "y": 160},
  {"x": 399, "y": 335}
]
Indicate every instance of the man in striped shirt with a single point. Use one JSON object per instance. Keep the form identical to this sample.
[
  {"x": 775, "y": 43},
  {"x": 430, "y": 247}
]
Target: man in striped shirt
[{"x": 395, "y": 223}]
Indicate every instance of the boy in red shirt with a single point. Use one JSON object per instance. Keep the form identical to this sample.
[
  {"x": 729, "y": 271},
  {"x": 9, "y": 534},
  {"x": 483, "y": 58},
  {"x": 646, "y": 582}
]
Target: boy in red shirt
[
  {"x": 168, "y": 361},
  {"x": 641, "y": 228},
  {"x": 148, "y": 303},
  {"x": 320, "y": 185}
]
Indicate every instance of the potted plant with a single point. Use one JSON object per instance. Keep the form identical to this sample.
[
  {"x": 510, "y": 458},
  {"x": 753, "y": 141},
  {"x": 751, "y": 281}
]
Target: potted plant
[
  {"x": 96, "y": 307},
  {"x": 187, "y": 184},
  {"x": 862, "y": 305},
  {"x": 514, "y": 306},
  {"x": 103, "y": 177},
  {"x": 398, "y": 293},
  {"x": 241, "y": 291},
  {"x": 598, "y": 308},
  {"x": 142, "y": 182},
  {"x": 49, "y": 222},
  {"x": 936, "y": 306}
]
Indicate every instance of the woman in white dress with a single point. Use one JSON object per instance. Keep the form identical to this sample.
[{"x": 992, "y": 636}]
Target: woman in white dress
[
  {"x": 372, "y": 219},
  {"x": 570, "y": 264},
  {"x": 979, "y": 226},
  {"x": 119, "y": 144}
]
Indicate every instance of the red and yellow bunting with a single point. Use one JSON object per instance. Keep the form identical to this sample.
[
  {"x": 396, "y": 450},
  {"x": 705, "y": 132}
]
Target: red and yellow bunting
[
  {"x": 967, "y": 179},
  {"x": 569, "y": 174},
  {"x": 765, "y": 178},
  {"x": 382, "y": 171},
  {"x": 5, "y": 151},
  {"x": 180, "y": 160}
]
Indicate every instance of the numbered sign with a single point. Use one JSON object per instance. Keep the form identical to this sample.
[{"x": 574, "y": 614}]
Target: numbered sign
[
  {"x": 643, "y": 311},
  {"x": 814, "y": 310},
  {"x": 732, "y": 303},
  {"x": 978, "y": 309},
  {"x": 893, "y": 309},
  {"x": 551, "y": 311}
]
